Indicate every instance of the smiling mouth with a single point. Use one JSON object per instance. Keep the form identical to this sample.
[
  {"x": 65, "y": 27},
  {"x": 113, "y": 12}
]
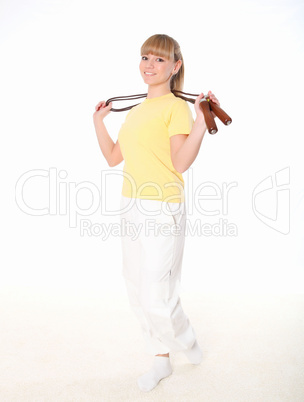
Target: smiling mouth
[{"x": 149, "y": 74}]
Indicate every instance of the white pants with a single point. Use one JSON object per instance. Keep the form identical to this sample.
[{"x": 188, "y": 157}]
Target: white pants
[{"x": 153, "y": 234}]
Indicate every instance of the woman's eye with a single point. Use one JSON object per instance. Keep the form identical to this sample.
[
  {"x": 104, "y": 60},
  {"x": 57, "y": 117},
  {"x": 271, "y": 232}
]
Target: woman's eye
[{"x": 159, "y": 59}]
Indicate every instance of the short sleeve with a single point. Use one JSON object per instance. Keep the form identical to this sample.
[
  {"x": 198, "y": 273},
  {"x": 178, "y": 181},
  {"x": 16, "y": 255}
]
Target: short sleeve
[{"x": 181, "y": 119}]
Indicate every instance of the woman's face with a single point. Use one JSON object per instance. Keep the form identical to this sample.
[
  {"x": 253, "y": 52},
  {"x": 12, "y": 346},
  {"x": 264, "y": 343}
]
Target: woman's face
[{"x": 156, "y": 70}]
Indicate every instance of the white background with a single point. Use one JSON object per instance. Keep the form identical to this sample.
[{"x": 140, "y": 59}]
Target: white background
[{"x": 60, "y": 58}]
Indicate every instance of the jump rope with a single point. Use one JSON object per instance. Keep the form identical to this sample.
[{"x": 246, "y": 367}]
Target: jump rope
[{"x": 206, "y": 104}]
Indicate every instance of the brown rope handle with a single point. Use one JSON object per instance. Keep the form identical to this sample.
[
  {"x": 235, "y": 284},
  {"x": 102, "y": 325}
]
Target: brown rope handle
[{"x": 206, "y": 108}]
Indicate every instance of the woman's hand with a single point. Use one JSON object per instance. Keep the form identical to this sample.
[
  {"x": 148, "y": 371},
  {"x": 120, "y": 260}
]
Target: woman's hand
[
  {"x": 101, "y": 110},
  {"x": 197, "y": 108}
]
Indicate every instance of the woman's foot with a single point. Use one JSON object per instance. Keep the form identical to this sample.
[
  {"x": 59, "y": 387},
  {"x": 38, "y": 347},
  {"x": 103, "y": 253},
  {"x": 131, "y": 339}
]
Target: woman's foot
[
  {"x": 161, "y": 369},
  {"x": 195, "y": 354}
]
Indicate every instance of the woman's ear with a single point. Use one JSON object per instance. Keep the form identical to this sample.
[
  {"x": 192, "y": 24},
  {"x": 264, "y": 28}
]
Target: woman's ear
[{"x": 177, "y": 66}]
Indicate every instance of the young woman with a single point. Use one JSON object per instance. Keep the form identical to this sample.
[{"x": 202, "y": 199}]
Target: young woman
[{"x": 158, "y": 142}]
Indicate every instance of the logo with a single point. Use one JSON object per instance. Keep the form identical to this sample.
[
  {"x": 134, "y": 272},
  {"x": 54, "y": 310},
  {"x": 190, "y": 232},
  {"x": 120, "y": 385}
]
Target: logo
[{"x": 271, "y": 201}]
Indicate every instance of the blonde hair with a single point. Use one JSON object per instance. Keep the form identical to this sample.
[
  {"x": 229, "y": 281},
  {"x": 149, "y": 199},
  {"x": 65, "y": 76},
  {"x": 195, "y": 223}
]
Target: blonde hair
[{"x": 165, "y": 46}]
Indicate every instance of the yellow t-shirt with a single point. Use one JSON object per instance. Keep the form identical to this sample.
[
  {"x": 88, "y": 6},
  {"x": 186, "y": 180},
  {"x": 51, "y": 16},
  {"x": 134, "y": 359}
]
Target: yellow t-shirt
[{"x": 144, "y": 140}]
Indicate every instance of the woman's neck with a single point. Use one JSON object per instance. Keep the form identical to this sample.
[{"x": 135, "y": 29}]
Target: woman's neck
[{"x": 155, "y": 92}]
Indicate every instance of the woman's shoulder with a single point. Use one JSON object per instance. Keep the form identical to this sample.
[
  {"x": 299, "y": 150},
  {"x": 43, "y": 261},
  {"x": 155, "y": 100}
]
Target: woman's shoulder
[
  {"x": 176, "y": 100},
  {"x": 177, "y": 110},
  {"x": 179, "y": 104},
  {"x": 133, "y": 110}
]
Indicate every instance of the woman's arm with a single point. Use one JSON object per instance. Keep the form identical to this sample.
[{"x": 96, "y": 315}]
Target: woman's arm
[
  {"x": 111, "y": 151},
  {"x": 184, "y": 148}
]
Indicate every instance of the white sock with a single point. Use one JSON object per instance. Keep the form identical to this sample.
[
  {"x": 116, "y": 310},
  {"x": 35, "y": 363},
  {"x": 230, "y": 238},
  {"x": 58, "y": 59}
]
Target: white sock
[
  {"x": 195, "y": 354},
  {"x": 161, "y": 368}
]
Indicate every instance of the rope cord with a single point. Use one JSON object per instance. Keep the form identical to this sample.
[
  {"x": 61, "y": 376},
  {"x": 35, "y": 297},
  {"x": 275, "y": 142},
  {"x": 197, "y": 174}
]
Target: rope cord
[{"x": 132, "y": 97}]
